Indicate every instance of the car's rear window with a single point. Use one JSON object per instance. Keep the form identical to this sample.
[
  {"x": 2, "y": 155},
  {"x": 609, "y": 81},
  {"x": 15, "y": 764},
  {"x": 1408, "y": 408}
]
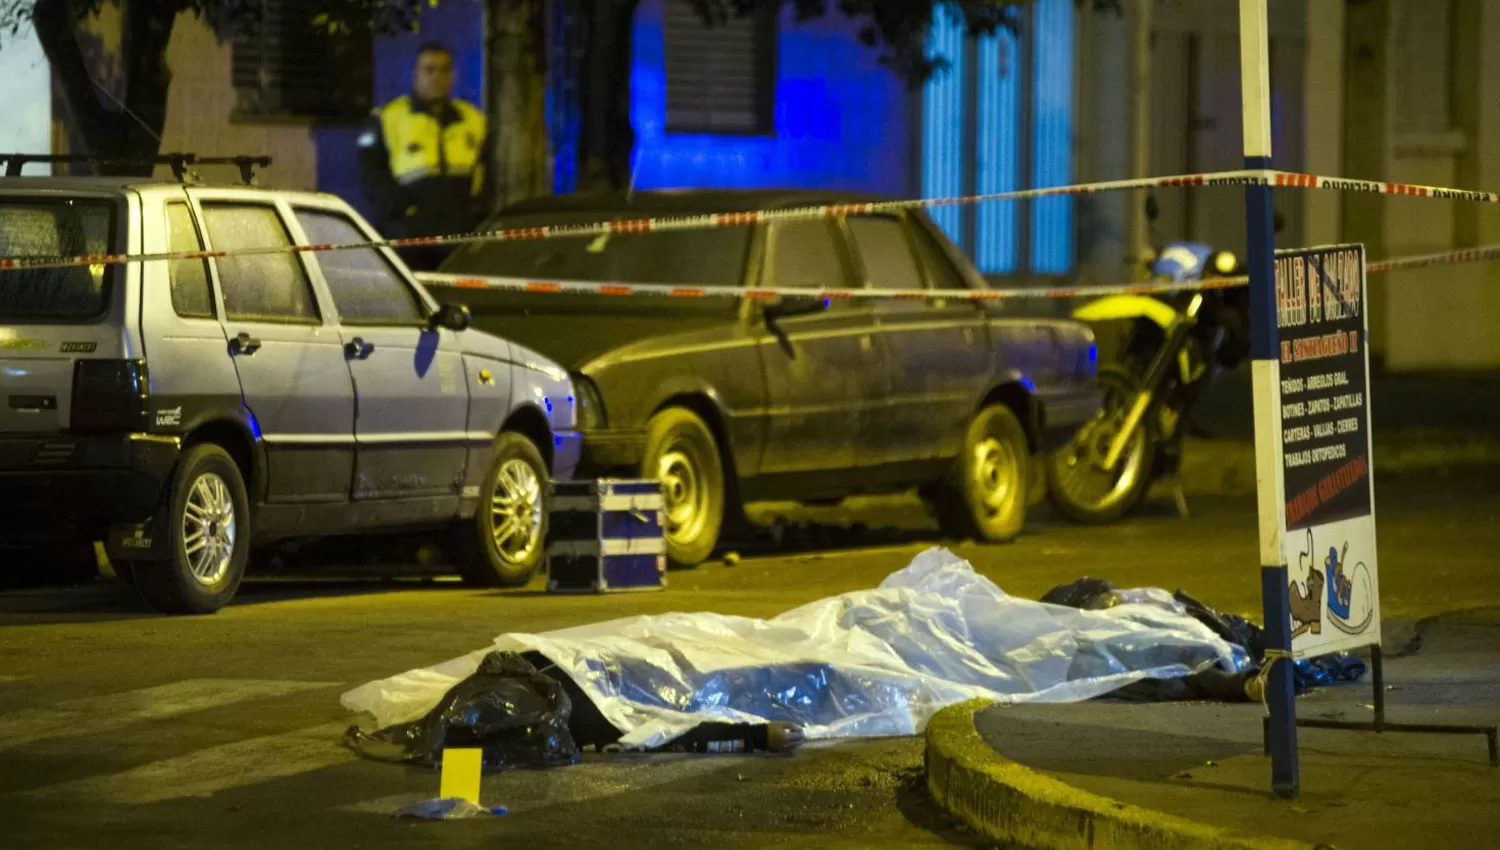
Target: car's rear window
[
  {"x": 55, "y": 228},
  {"x": 682, "y": 258}
]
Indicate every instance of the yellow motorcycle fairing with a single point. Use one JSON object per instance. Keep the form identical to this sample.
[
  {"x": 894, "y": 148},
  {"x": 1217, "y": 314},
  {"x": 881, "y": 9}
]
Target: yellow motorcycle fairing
[{"x": 1118, "y": 307}]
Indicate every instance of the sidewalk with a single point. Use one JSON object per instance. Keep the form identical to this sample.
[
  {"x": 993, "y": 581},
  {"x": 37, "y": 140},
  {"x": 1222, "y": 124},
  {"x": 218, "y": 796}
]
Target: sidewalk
[
  {"x": 1423, "y": 424},
  {"x": 1104, "y": 774}
]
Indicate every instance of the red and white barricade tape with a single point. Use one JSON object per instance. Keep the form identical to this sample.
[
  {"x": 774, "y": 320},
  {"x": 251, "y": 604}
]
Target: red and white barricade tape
[
  {"x": 1246, "y": 177},
  {"x": 551, "y": 287}
]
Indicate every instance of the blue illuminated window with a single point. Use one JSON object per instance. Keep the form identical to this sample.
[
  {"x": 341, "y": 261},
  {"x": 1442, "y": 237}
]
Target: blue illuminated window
[
  {"x": 1052, "y": 139},
  {"x": 841, "y": 118},
  {"x": 990, "y": 111},
  {"x": 997, "y": 167},
  {"x": 943, "y": 125}
]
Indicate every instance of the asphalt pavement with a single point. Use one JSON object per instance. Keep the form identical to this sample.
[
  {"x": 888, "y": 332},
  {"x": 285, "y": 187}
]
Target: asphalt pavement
[{"x": 124, "y": 728}]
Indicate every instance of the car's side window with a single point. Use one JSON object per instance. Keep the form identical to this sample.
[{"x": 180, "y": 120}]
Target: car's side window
[
  {"x": 939, "y": 268},
  {"x": 192, "y": 295},
  {"x": 365, "y": 287},
  {"x": 804, "y": 255},
  {"x": 886, "y": 252},
  {"x": 270, "y": 287}
]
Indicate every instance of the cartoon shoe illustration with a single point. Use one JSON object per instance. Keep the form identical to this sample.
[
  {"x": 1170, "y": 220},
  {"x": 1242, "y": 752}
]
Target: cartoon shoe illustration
[
  {"x": 1349, "y": 593},
  {"x": 1307, "y": 608}
]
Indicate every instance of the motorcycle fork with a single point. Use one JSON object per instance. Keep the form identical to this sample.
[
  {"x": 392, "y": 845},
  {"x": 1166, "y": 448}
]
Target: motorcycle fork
[{"x": 1164, "y": 360}]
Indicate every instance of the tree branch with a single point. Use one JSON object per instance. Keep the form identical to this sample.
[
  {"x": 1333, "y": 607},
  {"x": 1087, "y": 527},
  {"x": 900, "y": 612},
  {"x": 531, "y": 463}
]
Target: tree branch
[{"x": 56, "y": 29}]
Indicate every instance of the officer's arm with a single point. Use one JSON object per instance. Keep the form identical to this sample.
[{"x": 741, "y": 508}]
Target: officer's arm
[{"x": 386, "y": 195}]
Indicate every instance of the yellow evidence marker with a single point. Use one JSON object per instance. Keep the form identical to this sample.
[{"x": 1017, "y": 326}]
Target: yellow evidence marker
[{"x": 460, "y": 774}]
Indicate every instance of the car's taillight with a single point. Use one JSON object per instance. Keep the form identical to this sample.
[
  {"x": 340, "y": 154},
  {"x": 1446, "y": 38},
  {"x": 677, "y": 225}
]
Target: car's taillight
[{"x": 110, "y": 395}]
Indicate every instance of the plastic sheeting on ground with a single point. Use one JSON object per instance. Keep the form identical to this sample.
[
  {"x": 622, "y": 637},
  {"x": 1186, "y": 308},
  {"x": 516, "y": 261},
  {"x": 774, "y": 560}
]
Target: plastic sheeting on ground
[{"x": 865, "y": 663}]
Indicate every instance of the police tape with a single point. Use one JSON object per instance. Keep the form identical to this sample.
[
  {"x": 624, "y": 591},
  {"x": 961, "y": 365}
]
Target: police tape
[
  {"x": 577, "y": 287},
  {"x": 1155, "y": 287},
  {"x": 1244, "y": 177}
]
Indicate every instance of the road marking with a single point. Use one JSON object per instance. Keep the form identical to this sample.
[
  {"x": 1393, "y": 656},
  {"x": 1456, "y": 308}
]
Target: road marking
[
  {"x": 113, "y": 712},
  {"x": 519, "y": 791},
  {"x": 205, "y": 772}
]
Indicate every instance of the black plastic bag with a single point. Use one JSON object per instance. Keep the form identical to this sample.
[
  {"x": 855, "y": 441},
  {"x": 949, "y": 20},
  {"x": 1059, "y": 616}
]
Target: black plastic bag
[
  {"x": 515, "y": 714},
  {"x": 1096, "y": 594}
]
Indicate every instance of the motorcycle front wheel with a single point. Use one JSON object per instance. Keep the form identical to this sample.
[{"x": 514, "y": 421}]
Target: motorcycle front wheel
[{"x": 1077, "y": 483}]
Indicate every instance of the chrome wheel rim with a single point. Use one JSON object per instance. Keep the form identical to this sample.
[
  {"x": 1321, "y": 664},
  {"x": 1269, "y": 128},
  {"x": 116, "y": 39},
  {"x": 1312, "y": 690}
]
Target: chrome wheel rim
[
  {"x": 208, "y": 528},
  {"x": 684, "y": 497},
  {"x": 516, "y": 511},
  {"x": 996, "y": 474},
  {"x": 1080, "y": 465}
]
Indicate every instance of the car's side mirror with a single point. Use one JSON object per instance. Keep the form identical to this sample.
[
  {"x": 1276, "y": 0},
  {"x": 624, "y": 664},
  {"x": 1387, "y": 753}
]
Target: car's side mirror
[{"x": 454, "y": 317}]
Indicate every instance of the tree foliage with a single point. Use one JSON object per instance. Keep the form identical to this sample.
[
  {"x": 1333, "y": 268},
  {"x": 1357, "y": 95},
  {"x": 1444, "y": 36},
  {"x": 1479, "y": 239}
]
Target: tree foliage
[{"x": 126, "y": 124}]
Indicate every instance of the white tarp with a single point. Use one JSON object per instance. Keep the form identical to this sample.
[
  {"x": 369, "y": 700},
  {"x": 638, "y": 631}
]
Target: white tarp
[{"x": 865, "y": 663}]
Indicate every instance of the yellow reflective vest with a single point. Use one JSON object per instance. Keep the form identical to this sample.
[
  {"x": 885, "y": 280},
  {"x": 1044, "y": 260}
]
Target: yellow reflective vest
[{"x": 420, "y": 146}]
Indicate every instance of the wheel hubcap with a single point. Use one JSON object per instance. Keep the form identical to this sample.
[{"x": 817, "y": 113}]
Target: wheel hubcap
[
  {"x": 1082, "y": 472},
  {"x": 684, "y": 497},
  {"x": 516, "y": 511},
  {"x": 995, "y": 473},
  {"x": 208, "y": 528}
]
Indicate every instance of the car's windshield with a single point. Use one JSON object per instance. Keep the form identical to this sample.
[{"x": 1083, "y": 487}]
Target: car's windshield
[
  {"x": 55, "y": 228},
  {"x": 682, "y": 257}
]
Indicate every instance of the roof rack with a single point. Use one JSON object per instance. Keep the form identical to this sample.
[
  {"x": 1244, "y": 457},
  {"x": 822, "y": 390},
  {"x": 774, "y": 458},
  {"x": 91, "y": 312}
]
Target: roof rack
[{"x": 178, "y": 162}]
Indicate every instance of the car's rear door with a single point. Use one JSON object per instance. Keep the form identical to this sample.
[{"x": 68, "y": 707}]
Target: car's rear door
[
  {"x": 938, "y": 351},
  {"x": 411, "y": 419},
  {"x": 289, "y": 357},
  {"x": 823, "y": 369}
]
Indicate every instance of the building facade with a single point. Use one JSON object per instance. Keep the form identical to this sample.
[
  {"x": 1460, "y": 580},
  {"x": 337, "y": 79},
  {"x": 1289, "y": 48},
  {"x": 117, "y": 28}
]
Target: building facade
[{"x": 1397, "y": 89}]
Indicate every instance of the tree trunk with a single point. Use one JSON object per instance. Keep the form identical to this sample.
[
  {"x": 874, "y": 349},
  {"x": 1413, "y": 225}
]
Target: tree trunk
[
  {"x": 605, "y": 154},
  {"x": 130, "y": 133},
  {"x": 518, "y": 100}
]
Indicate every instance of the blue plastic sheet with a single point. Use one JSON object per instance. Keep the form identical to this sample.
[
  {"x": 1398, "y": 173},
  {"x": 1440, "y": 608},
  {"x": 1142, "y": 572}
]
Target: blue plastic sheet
[{"x": 866, "y": 663}]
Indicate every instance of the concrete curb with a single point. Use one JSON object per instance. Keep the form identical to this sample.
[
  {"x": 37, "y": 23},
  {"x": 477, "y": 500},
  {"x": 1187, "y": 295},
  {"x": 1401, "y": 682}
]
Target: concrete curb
[
  {"x": 1009, "y": 802},
  {"x": 1227, "y": 467}
]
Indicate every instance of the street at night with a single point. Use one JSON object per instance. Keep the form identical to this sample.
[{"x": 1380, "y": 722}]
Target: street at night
[
  {"x": 140, "y": 731},
  {"x": 1037, "y": 424}
]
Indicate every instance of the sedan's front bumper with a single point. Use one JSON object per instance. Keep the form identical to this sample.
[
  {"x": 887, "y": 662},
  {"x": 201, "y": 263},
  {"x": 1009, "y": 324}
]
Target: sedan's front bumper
[
  {"x": 1062, "y": 415},
  {"x": 567, "y": 450},
  {"x": 610, "y": 451}
]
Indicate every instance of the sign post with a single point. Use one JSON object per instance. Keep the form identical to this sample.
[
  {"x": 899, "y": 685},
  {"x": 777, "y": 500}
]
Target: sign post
[
  {"x": 1324, "y": 418},
  {"x": 1255, "y": 95}
]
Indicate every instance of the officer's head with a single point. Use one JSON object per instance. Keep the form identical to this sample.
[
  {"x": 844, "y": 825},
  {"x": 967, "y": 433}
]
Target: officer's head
[{"x": 432, "y": 77}]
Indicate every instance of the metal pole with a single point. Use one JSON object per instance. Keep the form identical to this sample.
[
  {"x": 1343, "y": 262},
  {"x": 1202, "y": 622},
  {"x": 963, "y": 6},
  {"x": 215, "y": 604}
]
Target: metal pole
[
  {"x": 1377, "y": 674},
  {"x": 1137, "y": 240},
  {"x": 1260, "y": 253}
]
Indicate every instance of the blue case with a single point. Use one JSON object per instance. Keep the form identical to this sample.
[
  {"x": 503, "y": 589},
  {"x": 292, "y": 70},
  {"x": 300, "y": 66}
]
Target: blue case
[{"x": 606, "y": 537}]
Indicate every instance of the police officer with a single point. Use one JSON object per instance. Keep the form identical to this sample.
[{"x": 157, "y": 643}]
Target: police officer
[{"x": 424, "y": 160}]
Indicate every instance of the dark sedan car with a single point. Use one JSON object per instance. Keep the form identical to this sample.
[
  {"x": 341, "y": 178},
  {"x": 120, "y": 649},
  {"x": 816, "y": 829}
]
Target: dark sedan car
[{"x": 729, "y": 400}]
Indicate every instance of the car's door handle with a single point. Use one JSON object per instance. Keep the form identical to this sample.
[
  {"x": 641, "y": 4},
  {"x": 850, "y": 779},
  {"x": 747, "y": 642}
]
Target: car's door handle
[
  {"x": 244, "y": 344},
  {"x": 358, "y": 349}
]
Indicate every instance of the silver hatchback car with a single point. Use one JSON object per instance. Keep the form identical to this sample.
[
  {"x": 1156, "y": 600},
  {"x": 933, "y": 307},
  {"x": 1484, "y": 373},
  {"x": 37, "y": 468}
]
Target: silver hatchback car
[{"x": 182, "y": 411}]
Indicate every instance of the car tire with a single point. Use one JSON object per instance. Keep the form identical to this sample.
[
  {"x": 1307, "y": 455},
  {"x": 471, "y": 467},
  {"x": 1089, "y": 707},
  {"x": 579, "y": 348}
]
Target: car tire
[
  {"x": 504, "y": 543},
  {"x": 984, "y": 495},
  {"x": 683, "y": 455},
  {"x": 207, "y": 523}
]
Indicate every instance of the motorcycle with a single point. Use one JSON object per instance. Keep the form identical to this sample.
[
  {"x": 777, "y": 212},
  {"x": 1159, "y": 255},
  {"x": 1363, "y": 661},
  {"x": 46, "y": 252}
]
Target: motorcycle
[{"x": 1175, "y": 346}]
